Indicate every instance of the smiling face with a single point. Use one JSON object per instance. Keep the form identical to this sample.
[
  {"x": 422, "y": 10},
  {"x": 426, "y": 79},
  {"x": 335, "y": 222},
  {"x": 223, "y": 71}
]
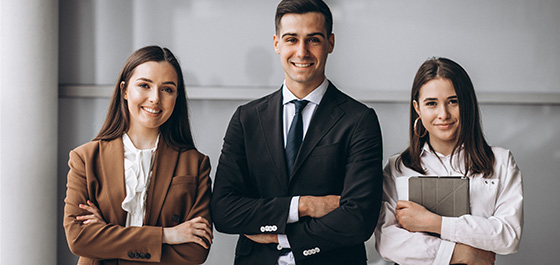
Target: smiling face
[
  {"x": 151, "y": 94},
  {"x": 438, "y": 108},
  {"x": 303, "y": 46}
]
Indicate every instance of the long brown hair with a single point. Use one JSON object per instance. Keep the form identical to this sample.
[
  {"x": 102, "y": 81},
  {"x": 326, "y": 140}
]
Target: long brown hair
[
  {"x": 176, "y": 131},
  {"x": 479, "y": 157}
]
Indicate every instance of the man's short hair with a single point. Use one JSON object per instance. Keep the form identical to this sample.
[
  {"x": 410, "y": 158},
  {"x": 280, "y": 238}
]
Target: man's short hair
[{"x": 302, "y": 7}]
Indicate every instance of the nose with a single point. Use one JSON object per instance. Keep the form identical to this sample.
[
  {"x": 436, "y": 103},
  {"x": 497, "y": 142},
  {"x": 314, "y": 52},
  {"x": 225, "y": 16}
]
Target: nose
[
  {"x": 302, "y": 49},
  {"x": 154, "y": 95},
  {"x": 443, "y": 112}
]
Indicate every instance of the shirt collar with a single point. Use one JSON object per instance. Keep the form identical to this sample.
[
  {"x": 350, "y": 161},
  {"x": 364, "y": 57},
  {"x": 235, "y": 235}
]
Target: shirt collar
[{"x": 314, "y": 97}]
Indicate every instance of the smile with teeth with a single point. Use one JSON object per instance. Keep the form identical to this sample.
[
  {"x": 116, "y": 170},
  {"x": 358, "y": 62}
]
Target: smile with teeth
[
  {"x": 153, "y": 111},
  {"x": 302, "y": 65}
]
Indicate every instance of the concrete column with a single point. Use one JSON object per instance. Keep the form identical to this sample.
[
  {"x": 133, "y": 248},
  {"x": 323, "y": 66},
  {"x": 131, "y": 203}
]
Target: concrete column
[{"x": 28, "y": 131}]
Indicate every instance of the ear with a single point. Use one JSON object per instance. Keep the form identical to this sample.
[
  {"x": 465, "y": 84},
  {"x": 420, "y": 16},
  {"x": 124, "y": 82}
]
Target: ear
[
  {"x": 124, "y": 90},
  {"x": 275, "y": 41},
  {"x": 331, "y": 43},
  {"x": 416, "y": 107}
]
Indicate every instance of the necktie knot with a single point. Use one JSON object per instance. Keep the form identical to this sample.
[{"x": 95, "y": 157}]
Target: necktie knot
[{"x": 300, "y": 104}]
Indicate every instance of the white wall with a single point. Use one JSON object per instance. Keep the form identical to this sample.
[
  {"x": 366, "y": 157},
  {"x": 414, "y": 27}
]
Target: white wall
[{"x": 506, "y": 46}]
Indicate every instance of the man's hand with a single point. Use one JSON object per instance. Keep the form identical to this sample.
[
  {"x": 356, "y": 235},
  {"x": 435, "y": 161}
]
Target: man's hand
[
  {"x": 317, "y": 207},
  {"x": 264, "y": 238},
  {"x": 415, "y": 218},
  {"x": 473, "y": 256}
]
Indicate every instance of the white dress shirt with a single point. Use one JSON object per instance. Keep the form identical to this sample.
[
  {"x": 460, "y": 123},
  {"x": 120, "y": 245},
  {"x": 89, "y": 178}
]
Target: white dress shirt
[
  {"x": 495, "y": 222},
  {"x": 314, "y": 99},
  {"x": 137, "y": 174}
]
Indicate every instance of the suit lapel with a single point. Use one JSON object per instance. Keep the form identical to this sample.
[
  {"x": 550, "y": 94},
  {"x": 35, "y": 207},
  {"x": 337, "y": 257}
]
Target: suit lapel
[
  {"x": 326, "y": 116},
  {"x": 162, "y": 174},
  {"x": 112, "y": 156},
  {"x": 270, "y": 120}
]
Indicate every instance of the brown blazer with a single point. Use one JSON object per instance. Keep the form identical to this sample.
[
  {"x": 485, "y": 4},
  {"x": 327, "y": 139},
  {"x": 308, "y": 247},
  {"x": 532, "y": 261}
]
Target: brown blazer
[{"x": 180, "y": 189}]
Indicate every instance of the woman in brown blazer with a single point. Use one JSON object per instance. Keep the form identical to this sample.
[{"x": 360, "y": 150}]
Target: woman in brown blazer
[{"x": 140, "y": 191}]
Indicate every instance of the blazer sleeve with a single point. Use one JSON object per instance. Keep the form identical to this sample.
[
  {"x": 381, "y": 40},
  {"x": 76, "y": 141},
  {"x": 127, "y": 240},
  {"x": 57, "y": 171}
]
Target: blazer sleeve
[
  {"x": 192, "y": 253},
  {"x": 237, "y": 207},
  {"x": 354, "y": 221},
  {"x": 102, "y": 241},
  {"x": 113, "y": 241}
]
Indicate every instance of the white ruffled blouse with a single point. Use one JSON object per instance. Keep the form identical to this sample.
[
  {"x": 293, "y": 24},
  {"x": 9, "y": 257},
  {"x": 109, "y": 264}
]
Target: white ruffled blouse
[{"x": 137, "y": 173}]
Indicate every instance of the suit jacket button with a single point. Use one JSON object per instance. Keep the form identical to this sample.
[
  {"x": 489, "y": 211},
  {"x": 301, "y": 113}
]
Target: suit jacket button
[
  {"x": 136, "y": 255},
  {"x": 279, "y": 247},
  {"x": 142, "y": 255},
  {"x": 263, "y": 229},
  {"x": 148, "y": 256},
  {"x": 176, "y": 218},
  {"x": 274, "y": 228},
  {"x": 131, "y": 254}
]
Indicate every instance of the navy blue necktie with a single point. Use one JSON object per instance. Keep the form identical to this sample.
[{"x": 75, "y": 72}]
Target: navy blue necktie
[{"x": 295, "y": 134}]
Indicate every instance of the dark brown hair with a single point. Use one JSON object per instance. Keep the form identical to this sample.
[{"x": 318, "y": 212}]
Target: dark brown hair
[
  {"x": 302, "y": 7},
  {"x": 479, "y": 157},
  {"x": 176, "y": 131}
]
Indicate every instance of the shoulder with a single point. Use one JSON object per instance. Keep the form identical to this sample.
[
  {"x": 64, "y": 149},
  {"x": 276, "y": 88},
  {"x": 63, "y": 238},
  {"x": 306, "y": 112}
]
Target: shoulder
[
  {"x": 192, "y": 154},
  {"x": 263, "y": 101},
  {"x": 502, "y": 155},
  {"x": 346, "y": 101}
]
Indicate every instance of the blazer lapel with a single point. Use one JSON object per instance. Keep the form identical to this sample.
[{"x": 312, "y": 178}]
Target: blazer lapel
[
  {"x": 270, "y": 119},
  {"x": 326, "y": 116},
  {"x": 112, "y": 156},
  {"x": 162, "y": 174}
]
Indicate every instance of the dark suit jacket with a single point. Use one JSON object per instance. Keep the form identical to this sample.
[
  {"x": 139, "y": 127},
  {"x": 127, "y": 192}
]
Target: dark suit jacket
[
  {"x": 340, "y": 155},
  {"x": 179, "y": 191}
]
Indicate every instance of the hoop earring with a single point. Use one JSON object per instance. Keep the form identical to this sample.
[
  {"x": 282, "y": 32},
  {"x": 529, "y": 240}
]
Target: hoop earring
[{"x": 416, "y": 131}]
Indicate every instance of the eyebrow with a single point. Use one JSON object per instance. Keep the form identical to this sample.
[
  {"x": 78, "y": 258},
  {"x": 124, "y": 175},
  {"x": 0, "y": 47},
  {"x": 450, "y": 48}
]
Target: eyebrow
[
  {"x": 308, "y": 35},
  {"x": 149, "y": 80},
  {"x": 429, "y": 99}
]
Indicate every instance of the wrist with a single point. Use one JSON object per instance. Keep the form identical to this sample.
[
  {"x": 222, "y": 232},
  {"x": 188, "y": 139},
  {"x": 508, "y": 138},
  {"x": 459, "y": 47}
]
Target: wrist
[
  {"x": 435, "y": 224},
  {"x": 302, "y": 206}
]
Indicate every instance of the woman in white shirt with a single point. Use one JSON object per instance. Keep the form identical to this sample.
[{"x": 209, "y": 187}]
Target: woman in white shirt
[
  {"x": 140, "y": 191},
  {"x": 446, "y": 139}
]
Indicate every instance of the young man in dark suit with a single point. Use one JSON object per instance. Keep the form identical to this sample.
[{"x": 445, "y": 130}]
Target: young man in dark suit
[{"x": 300, "y": 174}]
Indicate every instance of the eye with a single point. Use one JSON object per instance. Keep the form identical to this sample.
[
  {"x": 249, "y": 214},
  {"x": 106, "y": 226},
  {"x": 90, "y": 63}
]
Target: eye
[
  {"x": 292, "y": 40},
  {"x": 314, "y": 40},
  {"x": 143, "y": 85},
  {"x": 453, "y": 102},
  {"x": 430, "y": 103},
  {"x": 168, "y": 90}
]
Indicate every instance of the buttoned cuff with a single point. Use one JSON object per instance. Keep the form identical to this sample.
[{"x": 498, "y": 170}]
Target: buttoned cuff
[
  {"x": 445, "y": 252},
  {"x": 293, "y": 215},
  {"x": 283, "y": 242},
  {"x": 448, "y": 228}
]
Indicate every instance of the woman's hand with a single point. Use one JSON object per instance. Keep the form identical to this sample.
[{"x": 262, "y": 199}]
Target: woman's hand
[
  {"x": 197, "y": 230},
  {"x": 94, "y": 217},
  {"x": 464, "y": 254},
  {"x": 415, "y": 218}
]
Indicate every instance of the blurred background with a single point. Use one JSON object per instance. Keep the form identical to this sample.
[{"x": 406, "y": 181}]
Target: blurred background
[{"x": 59, "y": 61}]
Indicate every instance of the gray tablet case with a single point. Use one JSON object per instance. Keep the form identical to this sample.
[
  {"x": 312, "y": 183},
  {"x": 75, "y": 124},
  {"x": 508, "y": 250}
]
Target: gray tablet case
[{"x": 446, "y": 196}]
